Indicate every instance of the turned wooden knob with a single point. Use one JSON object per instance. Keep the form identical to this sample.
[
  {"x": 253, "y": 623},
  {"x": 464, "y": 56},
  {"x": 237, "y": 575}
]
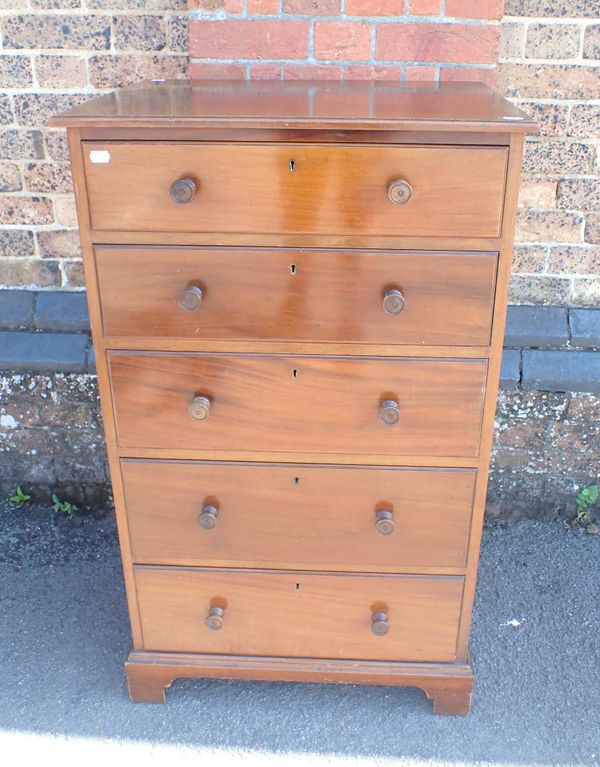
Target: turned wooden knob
[
  {"x": 389, "y": 412},
  {"x": 379, "y": 624},
  {"x": 214, "y": 619},
  {"x": 207, "y": 518},
  {"x": 384, "y": 522},
  {"x": 199, "y": 410},
  {"x": 399, "y": 191},
  {"x": 393, "y": 301},
  {"x": 183, "y": 190},
  {"x": 190, "y": 298}
]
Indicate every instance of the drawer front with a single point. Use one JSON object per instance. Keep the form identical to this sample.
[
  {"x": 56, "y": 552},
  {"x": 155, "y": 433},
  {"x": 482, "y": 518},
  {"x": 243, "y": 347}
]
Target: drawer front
[
  {"x": 298, "y": 404},
  {"x": 297, "y": 516},
  {"x": 297, "y": 295},
  {"x": 299, "y": 615},
  {"x": 303, "y": 189}
]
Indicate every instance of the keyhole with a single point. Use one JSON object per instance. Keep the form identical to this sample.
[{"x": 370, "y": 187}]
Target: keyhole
[
  {"x": 294, "y": 372},
  {"x": 292, "y": 166},
  {"x": 297, "y": 587},
  {"x": 296, "y": 480},
  {"x": 293, "y": 269}
]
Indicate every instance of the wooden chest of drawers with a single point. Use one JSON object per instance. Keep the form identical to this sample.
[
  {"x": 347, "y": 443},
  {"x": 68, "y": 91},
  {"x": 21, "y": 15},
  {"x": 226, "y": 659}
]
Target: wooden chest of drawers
[{"x": 297, "y": 294}]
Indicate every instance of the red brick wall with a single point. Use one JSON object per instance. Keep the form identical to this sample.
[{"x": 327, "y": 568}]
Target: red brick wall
[{"x": 345, "y": 39}]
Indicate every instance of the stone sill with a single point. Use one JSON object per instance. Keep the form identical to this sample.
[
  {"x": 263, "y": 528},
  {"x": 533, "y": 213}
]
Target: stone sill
[{"x": 547, "y": 348}]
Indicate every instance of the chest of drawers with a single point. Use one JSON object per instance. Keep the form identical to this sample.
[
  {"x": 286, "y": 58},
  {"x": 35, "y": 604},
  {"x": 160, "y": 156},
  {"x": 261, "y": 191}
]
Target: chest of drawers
[{"x": 297, "y": 294}]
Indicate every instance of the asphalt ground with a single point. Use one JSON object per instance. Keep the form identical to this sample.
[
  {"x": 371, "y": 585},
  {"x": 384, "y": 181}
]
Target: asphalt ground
[{"x": 64, "y": 635}]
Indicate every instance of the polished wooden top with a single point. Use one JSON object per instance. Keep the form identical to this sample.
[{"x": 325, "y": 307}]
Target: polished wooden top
[{"x": 301, "y": 104}]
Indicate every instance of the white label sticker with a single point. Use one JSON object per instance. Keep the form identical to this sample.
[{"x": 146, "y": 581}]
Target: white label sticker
[{"x": 99, "y": 156}]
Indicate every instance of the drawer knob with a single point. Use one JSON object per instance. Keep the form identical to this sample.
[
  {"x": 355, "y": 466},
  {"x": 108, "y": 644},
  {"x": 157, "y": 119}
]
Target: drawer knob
[
  {"x": 190, "y": 298},
  {"x": 183, "y": 190},
  {"x": 393, "y": 301},
  {"x": 389, "y": 412},
  {"x": 207, "y": 518},
  {"x": 379, "y": 624},
  {"x": 214, "y": 619},
  {"x": 384, "y": 522},
  {"x": 399, "y": 191},
  {"x": 199, "y": 410}
]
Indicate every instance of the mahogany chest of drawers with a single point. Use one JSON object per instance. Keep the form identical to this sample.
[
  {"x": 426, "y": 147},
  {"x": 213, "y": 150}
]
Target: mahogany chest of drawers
[{"x": 297, "y": 294}]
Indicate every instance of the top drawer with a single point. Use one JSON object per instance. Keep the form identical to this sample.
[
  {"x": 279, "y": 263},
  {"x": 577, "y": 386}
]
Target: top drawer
[{"x": 296, "y": 189}]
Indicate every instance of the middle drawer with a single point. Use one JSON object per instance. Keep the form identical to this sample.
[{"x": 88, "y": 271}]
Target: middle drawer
[
  {"x": 299, "y": 516},
  {"x": 298, "y": 404}
]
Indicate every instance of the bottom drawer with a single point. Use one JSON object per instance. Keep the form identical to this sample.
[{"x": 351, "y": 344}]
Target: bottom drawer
[{"x": 297, "y": 614}]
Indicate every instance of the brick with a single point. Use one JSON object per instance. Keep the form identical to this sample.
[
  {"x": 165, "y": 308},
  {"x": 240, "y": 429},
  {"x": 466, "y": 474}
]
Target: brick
[
  {"x": 579, "y": 193},
  {"x": 35, "y": 109},
  {"x": 61, "y": 243},
  {"x": 145, "y": 5},
  {"x": 536, "y": 326},
  {"x": 139, "y": 33},
  {"x": 342, "y": 40},
  {"x": 529, "y": 258},
  {"x": 55, "y": 4},
  {"x": 48, "y": 177},
  {"x": 265, "y": 72},
  {"x": 552, "y": 119},
  {"x": 544, "y": 226},
  {"x": 537, "y": 193},
  {"x": 177, "y": 34},
  {"x": 371, "y": 72},
  {"x": 552, "y": 41},
  {"x": 19, "y": 272},
  {"x": 16, "y": 243},
  {"x": 375, "y": 7},
  {"x": 557, "y": 157},
  {"x": 548, "y": 81},
  {"x": 420, "y": 74},
  {"x": 424, "y": 7},
  {"x": 15, "y": 71},
  {"x": 21, "y": 144},
  {"x": 475, "y": 9},
  {"x": 56, "y": 71},
  {"x": 74, "y": 274},
  {"x": 116, "y": 71},
  {"x": 534, "y": 289},
  {"x": 25, "y": 210},
  {"x": 512, "y": 40},
  {"x": 6, "y": 110},
  {"x": 312, "y": 7},
  {"x": 66, "y": 213},
  {"x": 249, "y": 39},
  {"x": 35, "y": 352},
  {"x": 592, "y": 229},
  {"x": 586, "y": 291},
  {"x": 201, "y": 71},
  {"x": 552, "y": 8},
  {"x": 263, "y": 6},
  {"x": 584, "y": 121},
  {"x": 62, "y": 311},
  {"x": 485, "y": 75},
  {"x": 510, "y": 373},
  {"x": 460, "y": 43},
  {"x": 591, "y": 42},
  {"x": 10, "y": 178},
  {"x": 16, "y": 309},
  {"x": 214, "y": 6},
  {"x": 561, "y": 371},
  {"x": 56, "y": 145},
  {"x": 578, "y": 259},
  {"x": 57, "y": 31},
  {"x": 311, "y": 72},
  {"x": 585, "y": 328}
]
